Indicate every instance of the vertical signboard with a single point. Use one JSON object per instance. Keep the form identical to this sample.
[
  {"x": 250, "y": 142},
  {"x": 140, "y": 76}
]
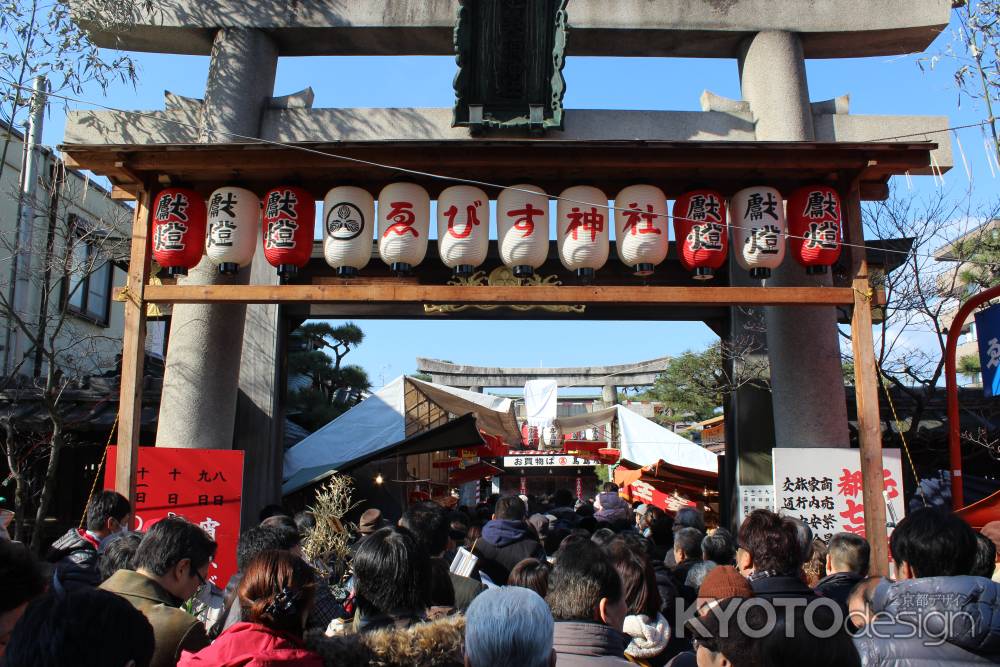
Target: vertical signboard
[
  {"x": 822, "y": 486},
  {"x": 203, "y": 486}
]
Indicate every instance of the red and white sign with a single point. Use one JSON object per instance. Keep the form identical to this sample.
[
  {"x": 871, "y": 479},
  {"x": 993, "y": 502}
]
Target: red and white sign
[
  {"x": 647, "y": 493},
  {"x": 822, "y": 486},
  {"x": 546, "y": 460},
  {"x": 203, "y": 486}
]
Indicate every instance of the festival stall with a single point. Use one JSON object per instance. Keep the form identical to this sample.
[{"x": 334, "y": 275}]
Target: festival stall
[
  {"x": 620, "y": 437},
  {"x": 396, "y": 443}
]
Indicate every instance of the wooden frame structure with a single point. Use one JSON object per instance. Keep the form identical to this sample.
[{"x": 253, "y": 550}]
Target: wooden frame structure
[{"x": 858, "y": 171}]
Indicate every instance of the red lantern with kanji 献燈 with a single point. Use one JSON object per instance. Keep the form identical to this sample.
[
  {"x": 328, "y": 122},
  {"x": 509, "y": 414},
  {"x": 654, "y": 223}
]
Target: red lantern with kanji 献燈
[
  {"x": 289, "y": 218},
  {"x": 814, "y": 227},
  {"x": 700, "y": 232},
  {"x": 179, "y": 221}
]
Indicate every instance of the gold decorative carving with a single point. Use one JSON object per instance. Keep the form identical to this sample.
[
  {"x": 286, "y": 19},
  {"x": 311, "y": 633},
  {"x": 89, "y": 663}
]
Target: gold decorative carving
[{"x": 502, "y": 276}]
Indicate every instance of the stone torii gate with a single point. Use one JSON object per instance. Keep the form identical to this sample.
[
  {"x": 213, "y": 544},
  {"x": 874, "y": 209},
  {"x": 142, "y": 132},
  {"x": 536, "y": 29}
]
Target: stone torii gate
[
  {"x": 609, "y": 378},
  {"x": 770, "y": 42}
]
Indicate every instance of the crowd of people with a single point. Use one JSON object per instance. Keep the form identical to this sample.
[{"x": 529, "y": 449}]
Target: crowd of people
[{"x": 555, "y": 580}]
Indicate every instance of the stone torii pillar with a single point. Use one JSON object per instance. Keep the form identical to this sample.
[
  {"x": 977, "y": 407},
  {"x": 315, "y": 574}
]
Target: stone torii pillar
[
  {"x": 201, "y": 381},
  {"x": 807, "y": 382}
]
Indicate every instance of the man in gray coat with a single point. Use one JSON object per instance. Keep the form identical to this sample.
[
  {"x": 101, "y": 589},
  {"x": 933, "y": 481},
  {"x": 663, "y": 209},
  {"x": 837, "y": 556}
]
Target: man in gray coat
[{"x": 933, "y": 614}]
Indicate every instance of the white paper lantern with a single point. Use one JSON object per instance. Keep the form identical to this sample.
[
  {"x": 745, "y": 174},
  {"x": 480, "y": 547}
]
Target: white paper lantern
[
  {"x": 523, "y": 229},
  {"x": 463, "y": 222},
  {"x": 404, "y": 219},
  {"x": 582, "y": 230},
  {"x": 348, "y": 220},
  {"x": 641, "y": 229},
  {"x": 233, "y": 228},
  {"x": 757, "y": 216}
]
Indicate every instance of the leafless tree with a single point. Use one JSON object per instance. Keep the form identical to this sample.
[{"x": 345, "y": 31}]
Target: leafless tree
[
  {"x": 61, "y": 348},
  {"x": 953, "y": 251}
]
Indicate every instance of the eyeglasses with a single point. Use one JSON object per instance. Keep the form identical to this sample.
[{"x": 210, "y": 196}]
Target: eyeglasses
[{"x": 201, "y": 579}]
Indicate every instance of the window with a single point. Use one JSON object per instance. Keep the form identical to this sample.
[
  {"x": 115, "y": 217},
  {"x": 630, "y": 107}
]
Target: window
[{"x": 88, "y": 289}]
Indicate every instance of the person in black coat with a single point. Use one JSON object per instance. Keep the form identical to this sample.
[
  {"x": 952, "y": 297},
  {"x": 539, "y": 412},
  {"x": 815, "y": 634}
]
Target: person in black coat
[
  {"x": 770, "y": 557},
  {"x": 687, "y": 554},
  {"x": 847, "y": 562},
  {"x": 506, "y": 541},
  {"x": 75, "y": 554}
]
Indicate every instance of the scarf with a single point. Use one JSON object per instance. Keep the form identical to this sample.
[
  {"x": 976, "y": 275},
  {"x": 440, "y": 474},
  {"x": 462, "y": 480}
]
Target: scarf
[{"x": 648, "y": 637}]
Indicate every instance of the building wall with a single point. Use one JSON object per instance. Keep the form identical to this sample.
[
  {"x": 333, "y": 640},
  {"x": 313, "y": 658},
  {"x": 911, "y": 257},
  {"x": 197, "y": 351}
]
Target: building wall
[{"x": 91, "y": 233}]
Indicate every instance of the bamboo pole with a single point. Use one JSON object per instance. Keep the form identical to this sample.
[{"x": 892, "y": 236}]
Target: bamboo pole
[
  {"x": 866, "y": 391},
  {"x": 133, "y": 352}
]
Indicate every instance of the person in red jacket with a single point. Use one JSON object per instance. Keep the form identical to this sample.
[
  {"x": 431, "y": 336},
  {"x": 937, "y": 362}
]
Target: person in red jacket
[{"x": 275, "y": 596}]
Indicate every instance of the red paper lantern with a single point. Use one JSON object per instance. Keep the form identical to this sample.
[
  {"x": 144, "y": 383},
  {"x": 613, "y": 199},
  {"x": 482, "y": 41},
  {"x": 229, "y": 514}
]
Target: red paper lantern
[
  {"x": 609, "y": 455},
  {"x": 289, "y": 218},
  {"x": 700, "y": 232},
  {"x": 179, "y": 222},
  {"x": 815, "y": 227}
]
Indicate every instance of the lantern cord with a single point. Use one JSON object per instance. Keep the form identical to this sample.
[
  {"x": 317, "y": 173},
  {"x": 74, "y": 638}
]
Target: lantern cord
[
  {"x": 470, "y": 181},
  {"x": 906, "y": 448},
  {"x": 100, "y": 467},
  {"x": 126, "y": 294}
]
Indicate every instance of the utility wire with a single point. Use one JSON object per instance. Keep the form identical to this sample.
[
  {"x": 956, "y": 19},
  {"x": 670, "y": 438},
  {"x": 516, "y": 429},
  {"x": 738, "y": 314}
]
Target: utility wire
[{"x": 487, "y": 184}]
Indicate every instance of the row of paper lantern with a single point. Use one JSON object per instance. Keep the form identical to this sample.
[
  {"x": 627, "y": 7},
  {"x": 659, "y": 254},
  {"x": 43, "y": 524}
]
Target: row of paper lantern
[{"x": 226, "y": 228}]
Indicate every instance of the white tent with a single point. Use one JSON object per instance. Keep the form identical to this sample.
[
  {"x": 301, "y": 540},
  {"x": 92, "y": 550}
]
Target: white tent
[
  {"x": 403, "y": 408},
  {"x": 643, "y": 441}
]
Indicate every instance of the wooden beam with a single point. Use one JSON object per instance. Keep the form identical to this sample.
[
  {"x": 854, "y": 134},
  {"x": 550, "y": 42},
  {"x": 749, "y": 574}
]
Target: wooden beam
[
  {"x": 133, "y": 352},
  {"x": 627, "y": 297},
  {"x": 553, "y": 164},
  {"x": 866, "y": 384},
  {"x": 118, "y": 193}
]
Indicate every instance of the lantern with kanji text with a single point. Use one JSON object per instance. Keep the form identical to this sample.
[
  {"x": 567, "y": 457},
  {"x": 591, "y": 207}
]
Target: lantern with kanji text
[
  {"x": 404, "y": 213},
  {"x": 289, "y": 218},
  {"x": 179, "y": 222},
  {"x": 757, "y": 218},
  {"x": 641, "y": 227},
  {"x": 700, "y": 232},
  {"x": 233, "y": 223},
  {"x": 348, "y": 219},
  {"x": 523, "y": 228},
  {"x": 463, "y": 222},
  {"x": 582, "y": 230},
  {"x": 814, "y": 227}
]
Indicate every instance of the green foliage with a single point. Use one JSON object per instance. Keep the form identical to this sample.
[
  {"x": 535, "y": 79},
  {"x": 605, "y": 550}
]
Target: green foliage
[
  {"x": 333, "y": 387},
  {"x": 604, "y": 474},
  {"x": 969, "y": 366},
  {"x": 41, "y": 38},
  {"x": 693, "y": 386},
  {"x": 980, "y": 255}
]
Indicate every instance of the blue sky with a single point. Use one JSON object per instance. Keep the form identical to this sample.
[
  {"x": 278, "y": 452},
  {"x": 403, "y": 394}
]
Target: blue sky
[{"x": 891, "y": 85}]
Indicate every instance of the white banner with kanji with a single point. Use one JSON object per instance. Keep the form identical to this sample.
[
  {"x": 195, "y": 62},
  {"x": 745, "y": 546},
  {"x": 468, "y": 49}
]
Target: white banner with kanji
[{"x": 822, "y": 486}]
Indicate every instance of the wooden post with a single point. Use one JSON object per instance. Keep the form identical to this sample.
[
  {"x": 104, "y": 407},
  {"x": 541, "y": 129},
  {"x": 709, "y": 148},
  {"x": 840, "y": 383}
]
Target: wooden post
[
  {"x": 133, "y": 352},
  {"x": 866, "y": 390}
]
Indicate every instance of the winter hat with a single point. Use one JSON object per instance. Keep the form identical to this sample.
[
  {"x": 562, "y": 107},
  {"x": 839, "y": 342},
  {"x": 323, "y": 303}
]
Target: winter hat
[
  {"x": 541, "y": 525},
  {"x": 371, "y": 521},
  {"x": 724, "y": 582}
]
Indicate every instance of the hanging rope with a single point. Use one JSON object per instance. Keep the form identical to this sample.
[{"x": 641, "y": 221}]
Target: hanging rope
[
  {"x": 906, "y": 448},
  {"x": 100, "y": 467}
]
